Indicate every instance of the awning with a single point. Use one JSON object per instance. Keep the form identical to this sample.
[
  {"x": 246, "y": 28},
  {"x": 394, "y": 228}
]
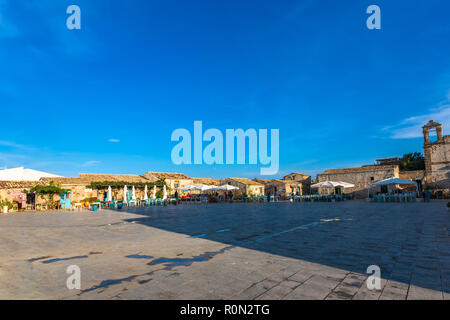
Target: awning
[
  {"x": 227, "y": 187},
  {"x": 332, "y": 184},
  {"x": 394, "y": 181}
]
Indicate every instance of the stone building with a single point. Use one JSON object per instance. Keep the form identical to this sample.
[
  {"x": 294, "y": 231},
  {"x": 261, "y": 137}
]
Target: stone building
[
  {"x": 437, "y": 157},
  {"x": 78, "y": 187},
  {"x": 303, "y": 179},
  {"x": 283, "y": 188},
  {"x": 388, "y": 161},
  {"x": 173, "y": 180},
  {"x": 246, "y": 186},
  {"x": 208, "y": 181},
  {"x": 13, "y": 191},
  {"x": 362, "y": 177}
]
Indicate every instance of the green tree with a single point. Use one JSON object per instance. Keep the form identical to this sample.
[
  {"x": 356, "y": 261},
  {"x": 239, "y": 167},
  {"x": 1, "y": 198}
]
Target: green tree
[
  {"x": 47, "y": 193},
  {"x": 160, "y": 194},
  {"x": 412, "y": 161}
]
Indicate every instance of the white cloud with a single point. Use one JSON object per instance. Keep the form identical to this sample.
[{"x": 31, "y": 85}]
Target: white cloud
[
  {"x": 114, "y": 140},
  {"x": 412, "y": 127},
  {"x": 91, "y": 163}
]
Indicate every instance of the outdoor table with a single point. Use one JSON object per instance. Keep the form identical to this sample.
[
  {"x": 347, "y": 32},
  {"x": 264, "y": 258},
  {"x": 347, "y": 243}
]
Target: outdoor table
[{"x": 94, "y": 203}]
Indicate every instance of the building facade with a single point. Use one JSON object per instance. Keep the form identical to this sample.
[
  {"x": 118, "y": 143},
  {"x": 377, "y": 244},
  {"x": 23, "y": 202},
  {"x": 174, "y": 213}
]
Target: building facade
[
  {"x": 437, "y": 157},
  {"x": 303, "y": 179},
  {"x": 173, "y": 180},
  {"x": 362, "y": 177},
  {"x": 283, "y": 188},
  {"x": 246, "y": 187}
]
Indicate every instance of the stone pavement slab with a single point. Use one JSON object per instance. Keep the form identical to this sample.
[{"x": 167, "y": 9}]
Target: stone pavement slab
[{"x": 229, "y": 251}]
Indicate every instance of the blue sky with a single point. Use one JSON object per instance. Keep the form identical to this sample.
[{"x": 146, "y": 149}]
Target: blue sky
[{"x": 106, "y": 98}]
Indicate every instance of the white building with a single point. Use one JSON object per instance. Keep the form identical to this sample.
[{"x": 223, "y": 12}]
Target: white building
[{"x": 22, "y": 174}]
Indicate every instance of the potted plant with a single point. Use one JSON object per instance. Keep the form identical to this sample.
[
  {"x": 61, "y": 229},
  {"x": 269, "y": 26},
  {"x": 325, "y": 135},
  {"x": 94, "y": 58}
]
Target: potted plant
[{"x": 6, "y": 205}]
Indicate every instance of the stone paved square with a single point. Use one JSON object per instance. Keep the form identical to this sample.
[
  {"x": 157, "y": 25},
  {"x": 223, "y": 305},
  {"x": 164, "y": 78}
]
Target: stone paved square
[{"x": 229, "y": 251}]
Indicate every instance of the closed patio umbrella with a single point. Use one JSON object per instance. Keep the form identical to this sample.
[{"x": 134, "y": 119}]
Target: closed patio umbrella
[
  {"x": 125, "y": 194},
  {"x": 133, "y": 194},
  {"x": 145, "y": 193},
  {"x": 154, "y": 192},
  {"x": 165, "y": 193},
  {"x": 109, "y": 194}
]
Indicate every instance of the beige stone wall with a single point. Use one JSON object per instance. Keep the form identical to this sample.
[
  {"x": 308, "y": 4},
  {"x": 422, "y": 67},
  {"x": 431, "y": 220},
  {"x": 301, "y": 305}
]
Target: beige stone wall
[
  {"x": 412, "y": 175},
  {"x": 173, "y": 184},
  {"x": 256, "y": 190},
  {"x": 246, "y": 189},
  {"x": 242, "y": 187},
  {"x": 437, "y": 157},
  {"x": 80, "y": 192},
  {"x": 362, "y": 179},
  {"x": 283, "y": 188},
  {"x": 304, "y": 179},
  {"x": 7, "y": 194},
  {"x": 439, "y": 163}
]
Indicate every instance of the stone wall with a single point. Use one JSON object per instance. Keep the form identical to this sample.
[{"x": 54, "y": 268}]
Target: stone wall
[
  {"x": 304, "y": 179},
  {"x": 362, "y": 178},
  {"x": 246, "y": 188},
  {"x": 437, "y": 157},
  {"x": 283, "y": 187}
]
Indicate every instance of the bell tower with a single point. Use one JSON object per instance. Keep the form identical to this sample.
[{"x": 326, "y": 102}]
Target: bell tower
[
  {"x": 437, "y": 156},
  {"x": 430, "y": 126}
]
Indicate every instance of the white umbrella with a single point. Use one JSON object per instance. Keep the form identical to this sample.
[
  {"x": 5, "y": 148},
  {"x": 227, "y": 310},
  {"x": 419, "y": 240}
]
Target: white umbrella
[
  {"x": 227, "y": 187},
  {"x": 393, "y": 181},
  {"x": 326, "y": 184},
  {"x": 187, "y": 188},
  {"x": 165, "y": 193},
  {"x": 205, "y": 187},
  {"x": 346, "y": 184},
  {"x": 145, "y": 193},
  {"x": 332, "y": 184},
  {"x": 125, "y": 194},
  {"x": 154, "y": 192},
  {"x": 133, "y": 194},
  {"x": 109, "y": 194}
]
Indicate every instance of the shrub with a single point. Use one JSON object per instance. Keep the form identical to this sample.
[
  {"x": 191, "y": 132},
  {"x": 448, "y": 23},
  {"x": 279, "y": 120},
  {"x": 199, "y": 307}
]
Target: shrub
[
  {"x": 159, "y": 194},
  {"x": 6, "y": 203},
  {"x": 92, "y": 199}
]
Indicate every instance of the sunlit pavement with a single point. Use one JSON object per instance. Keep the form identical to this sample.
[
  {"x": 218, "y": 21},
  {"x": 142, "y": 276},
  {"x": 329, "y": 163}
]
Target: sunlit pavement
[{"x": 229, "y": 251}]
